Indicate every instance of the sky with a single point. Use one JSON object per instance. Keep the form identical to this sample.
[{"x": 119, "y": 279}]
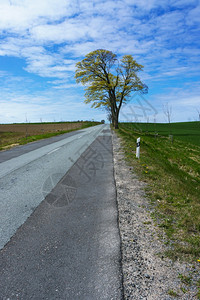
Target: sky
[{"x": 41, "y": 42}]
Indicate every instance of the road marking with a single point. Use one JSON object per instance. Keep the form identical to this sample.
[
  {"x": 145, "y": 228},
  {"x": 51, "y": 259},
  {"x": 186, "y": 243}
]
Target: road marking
[
  {"x": 80, "y": 137},
  {"x": 53, "y": 150}
]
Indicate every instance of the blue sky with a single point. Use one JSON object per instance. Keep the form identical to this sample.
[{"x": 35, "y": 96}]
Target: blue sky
[{"x": 41, "y": 41}]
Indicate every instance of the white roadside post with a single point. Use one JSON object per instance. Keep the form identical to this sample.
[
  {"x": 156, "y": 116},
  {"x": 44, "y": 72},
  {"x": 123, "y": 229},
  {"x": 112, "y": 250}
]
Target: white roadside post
[{"x": 138, "y": 148}]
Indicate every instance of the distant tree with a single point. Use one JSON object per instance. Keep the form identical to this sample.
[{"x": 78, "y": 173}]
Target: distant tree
[
  {"x": 109, "y": 81},
  {"x": 168, "y": 113},
  {"x": 198, "y": 112},
  {"x": 109, "y": 114},
  {"x": 109, "y": 117}
]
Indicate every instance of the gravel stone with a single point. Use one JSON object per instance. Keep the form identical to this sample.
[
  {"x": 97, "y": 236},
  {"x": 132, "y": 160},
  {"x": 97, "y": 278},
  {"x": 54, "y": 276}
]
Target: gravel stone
[{"x": 146, "y": 275}]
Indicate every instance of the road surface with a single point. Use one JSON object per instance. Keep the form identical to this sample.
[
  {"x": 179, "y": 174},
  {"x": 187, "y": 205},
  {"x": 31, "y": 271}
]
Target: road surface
[{"x": 59, "y": 233}]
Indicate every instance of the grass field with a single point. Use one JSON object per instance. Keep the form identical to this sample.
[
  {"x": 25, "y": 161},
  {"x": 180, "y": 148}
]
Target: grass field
[
  {"x": 172, "y": 171},
  {"x": 19, "y": 134},
  {"x": 184, "y": 131}
]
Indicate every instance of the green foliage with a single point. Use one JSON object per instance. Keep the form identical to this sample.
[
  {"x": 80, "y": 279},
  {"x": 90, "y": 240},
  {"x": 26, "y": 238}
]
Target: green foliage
[{"x": 108, "y": 82}]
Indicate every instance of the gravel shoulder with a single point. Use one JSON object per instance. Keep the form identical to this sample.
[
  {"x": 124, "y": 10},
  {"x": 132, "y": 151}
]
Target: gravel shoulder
[{"x": 147, "y": 274}]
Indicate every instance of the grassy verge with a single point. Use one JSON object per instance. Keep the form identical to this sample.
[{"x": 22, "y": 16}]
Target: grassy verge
[
  {"x": 10, "y": 139},
  {"x": 172, "y": 172}
]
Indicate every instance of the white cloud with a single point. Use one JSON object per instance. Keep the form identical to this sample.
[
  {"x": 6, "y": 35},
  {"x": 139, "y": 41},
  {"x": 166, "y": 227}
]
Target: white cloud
[
  {"x": 19, "y": 15},
  {"x": 69, "y": 30},
  {"x": 17, "y": 105},
  {"x": 52, "y": 35},
  {"x": 8, "y": 48},
  {"x": 66, "y": 86},
  {"x": 110, "y": 25}
]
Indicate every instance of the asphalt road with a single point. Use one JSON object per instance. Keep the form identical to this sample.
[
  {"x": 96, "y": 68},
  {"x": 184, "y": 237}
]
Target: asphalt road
[
  {"x": 59, "y": 230},
  {"x": 19, "y": 150},
  {"x": 24, "y": 179}
]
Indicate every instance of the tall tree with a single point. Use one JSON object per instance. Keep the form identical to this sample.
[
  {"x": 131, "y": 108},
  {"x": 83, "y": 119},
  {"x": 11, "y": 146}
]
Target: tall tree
[{"x": 109, "y": 81}]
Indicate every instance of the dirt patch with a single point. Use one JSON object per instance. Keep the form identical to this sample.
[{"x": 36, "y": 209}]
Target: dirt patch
[{"x": 147, "y": 273}]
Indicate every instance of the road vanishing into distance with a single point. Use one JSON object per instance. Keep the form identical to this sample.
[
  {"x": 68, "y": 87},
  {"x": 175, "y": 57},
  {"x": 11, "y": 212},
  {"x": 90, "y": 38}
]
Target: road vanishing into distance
[{"x": 59, "y": 235}]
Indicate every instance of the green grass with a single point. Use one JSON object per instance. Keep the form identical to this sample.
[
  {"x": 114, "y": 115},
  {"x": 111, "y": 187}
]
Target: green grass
[
  {"x": 9, "y": 139},
  {"x": 198, "y": 286},
  {"x": 173, "y": 293},
  {"x": 172, "y": 171},
  {"x": 185, "y": 131},
  {"x": 33, "y": 138},
  {"x": 185, "y": 279}
]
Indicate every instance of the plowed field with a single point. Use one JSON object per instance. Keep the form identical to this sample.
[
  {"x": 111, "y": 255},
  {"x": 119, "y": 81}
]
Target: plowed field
[{"x": 32, "y": 129}]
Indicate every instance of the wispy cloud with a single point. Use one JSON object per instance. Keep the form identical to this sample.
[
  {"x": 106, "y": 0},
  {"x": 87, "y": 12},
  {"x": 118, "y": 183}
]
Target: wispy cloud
[{"x": 50, "y": 36}]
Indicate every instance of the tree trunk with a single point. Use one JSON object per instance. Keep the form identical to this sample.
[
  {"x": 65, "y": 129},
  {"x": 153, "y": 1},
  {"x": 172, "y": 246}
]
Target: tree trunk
[
  {"x": 116, "y": 125},
  {"x": 116, "y": 122},
  {"x": 113, "y": 122}
]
